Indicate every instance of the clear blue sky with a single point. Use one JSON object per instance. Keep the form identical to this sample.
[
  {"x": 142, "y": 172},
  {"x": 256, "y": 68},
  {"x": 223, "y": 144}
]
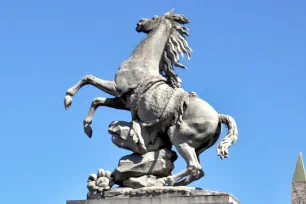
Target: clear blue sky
[{"x": 249, "y": 61}]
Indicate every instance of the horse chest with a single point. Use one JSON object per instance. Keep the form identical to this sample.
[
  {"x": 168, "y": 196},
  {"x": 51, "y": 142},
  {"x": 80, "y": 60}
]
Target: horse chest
[{"x": 129, "y": 78}]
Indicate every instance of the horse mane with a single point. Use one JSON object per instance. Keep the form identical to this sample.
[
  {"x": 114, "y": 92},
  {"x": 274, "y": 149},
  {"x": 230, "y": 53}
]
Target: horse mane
[{"x": 176, "y": 45}]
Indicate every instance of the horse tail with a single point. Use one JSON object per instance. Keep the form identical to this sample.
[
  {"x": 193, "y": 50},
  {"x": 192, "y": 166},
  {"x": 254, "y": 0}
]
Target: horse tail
[{"x": 231, "y": 137}]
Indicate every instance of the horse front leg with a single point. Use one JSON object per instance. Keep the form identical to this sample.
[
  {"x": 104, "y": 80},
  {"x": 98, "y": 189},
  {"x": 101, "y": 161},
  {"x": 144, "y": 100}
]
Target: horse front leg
[
  {"x": 116, "y": 103},
  {"x": 109, "y": 87}
]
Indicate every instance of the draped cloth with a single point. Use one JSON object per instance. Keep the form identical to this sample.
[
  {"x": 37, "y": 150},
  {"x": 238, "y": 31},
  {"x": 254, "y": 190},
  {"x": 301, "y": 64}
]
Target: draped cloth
[{"x": 159, "y": 97}]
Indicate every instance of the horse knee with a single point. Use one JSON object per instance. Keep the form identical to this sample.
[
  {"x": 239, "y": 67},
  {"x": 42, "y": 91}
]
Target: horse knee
[
  {"x": 193, "y": 167},
  {"x": 88, "y": 78},
  {"x": 96, "y": 101}
]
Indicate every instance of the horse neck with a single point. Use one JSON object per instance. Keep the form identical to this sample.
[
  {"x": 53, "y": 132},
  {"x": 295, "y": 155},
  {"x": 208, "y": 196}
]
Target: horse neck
[{"x": 150, "y": 50}]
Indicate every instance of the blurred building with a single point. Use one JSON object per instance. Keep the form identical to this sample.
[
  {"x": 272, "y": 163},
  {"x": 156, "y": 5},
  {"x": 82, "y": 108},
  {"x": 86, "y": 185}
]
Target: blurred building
[{"x": 298, "y": 193}]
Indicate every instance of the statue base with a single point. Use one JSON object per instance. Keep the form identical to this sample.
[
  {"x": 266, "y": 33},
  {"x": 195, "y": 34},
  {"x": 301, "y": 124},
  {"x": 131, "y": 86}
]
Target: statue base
[{"x": 158, "y": 195}]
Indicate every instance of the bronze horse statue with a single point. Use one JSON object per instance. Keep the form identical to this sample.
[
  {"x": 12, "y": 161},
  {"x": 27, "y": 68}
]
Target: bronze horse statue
[{"x": 147, "y": 85}]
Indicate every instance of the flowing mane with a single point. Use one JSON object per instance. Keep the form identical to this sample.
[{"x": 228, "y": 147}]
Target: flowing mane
[{"x": 176, "y": 45}]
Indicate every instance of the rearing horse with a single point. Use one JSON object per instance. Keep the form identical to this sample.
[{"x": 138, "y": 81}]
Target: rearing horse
[{"x": 146, "y": 85}]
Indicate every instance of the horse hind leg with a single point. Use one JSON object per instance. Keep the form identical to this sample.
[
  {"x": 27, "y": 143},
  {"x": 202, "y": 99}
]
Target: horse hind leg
[
  {"x": 178, "y": 139},
  {"x": 191, "y": 178},
  {"x": 193, "y": 166}
]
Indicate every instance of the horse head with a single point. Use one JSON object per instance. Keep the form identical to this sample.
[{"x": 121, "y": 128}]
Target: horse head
[
  {"x": 146, "y": 25},
  {"x": 175, "y": 45}
]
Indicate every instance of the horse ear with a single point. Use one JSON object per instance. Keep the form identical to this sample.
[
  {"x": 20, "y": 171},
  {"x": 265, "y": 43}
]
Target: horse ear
[{"x": 169, "y": 13}]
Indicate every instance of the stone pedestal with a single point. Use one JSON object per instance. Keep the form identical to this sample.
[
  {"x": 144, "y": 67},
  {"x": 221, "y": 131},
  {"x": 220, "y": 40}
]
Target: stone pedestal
[{"x": 159, "y": 195}]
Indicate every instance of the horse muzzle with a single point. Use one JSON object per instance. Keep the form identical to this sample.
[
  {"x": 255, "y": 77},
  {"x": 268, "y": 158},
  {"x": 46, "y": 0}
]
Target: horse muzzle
[{"x": 138, "y": 27}]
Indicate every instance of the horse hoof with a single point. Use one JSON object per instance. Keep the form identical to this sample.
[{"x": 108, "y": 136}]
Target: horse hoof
[
  {"x": 67, "y": 101},
  {"x": 88, "y": 130},
  {"x": 196, "y": 173},
  {"x": 168, "y": 180},
  {"x": 162, "y": 180}
]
